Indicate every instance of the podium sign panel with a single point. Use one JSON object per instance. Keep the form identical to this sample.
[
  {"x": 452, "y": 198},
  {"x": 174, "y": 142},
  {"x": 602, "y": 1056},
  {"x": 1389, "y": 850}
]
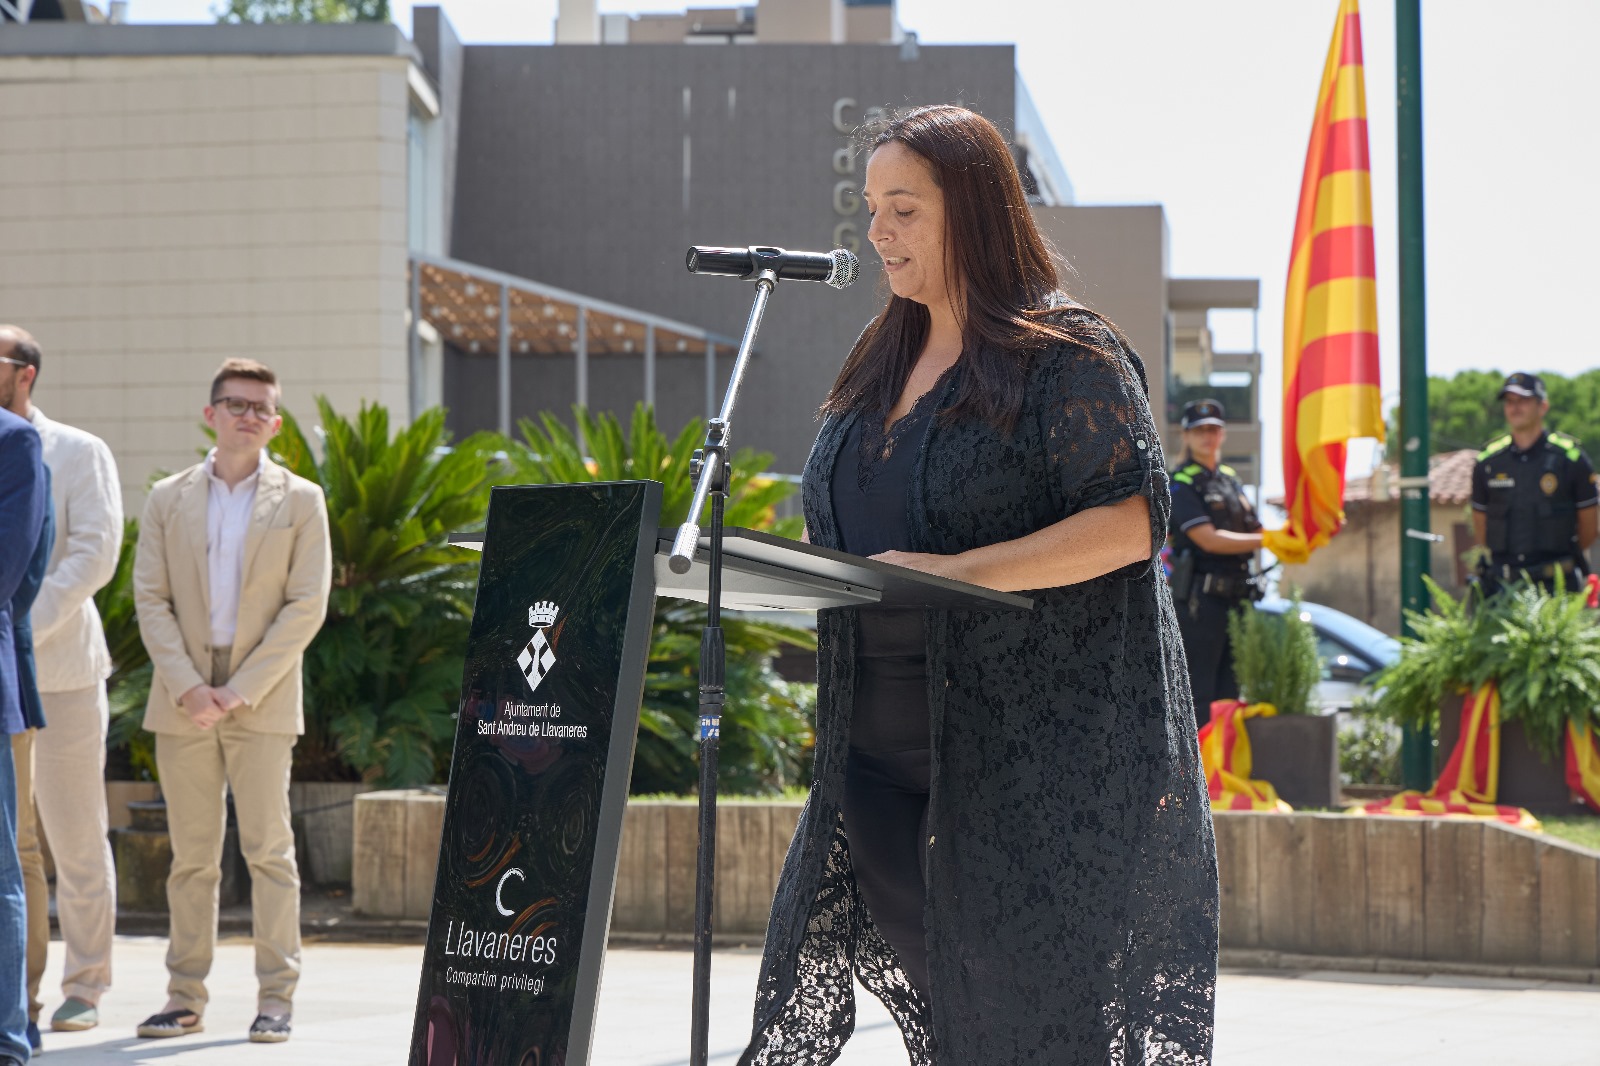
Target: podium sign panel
[{"x": 539, "y": 779}]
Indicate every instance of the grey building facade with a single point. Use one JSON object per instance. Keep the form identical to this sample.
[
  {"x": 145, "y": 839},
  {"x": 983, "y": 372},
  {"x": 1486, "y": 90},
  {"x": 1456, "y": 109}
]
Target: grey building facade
[{"x": 595, "y": 168}]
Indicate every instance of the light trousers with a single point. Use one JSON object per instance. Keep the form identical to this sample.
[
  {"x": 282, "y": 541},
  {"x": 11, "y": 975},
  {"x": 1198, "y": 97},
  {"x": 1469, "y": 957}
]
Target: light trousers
[
  {"x": 69, "y": 760},
  {"x": 35, "y": 889},
  {"x": 196, "y": 772}
]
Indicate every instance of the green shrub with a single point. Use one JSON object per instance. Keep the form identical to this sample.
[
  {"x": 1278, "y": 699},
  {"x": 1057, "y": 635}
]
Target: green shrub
[
  {"x": 1275, "y": 657},
  {"x": 1448, "y": 652},
  {"x": 1546, "y": 657},
  {"x": 1369, "y": 747},
  {"x": 1541, "y": 647}
]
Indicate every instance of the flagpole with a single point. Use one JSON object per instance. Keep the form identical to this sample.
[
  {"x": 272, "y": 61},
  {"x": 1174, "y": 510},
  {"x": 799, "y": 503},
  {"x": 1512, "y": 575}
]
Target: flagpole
[{"x": 1416, "y": 541}]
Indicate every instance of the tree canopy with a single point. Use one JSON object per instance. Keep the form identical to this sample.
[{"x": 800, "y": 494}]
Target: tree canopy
[
  {"x": 1463, "y": 411},
  {"x": 265, "y": 11}
]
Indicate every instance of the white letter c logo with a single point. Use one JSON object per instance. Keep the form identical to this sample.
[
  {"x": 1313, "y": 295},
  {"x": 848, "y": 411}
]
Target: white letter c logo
[{"x": 501, "y": 907}]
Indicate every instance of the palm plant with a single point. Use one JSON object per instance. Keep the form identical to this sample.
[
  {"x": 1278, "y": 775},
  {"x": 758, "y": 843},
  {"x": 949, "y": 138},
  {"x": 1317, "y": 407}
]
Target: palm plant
[
  {"x": 767, "y": 722},
  {"x": 553, "y": 455},
  {"x": 384, "y": 674},
  {"x": 128, "y": 687}
]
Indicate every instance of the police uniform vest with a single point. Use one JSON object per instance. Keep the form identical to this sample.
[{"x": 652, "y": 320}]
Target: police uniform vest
[
  {"x": 1530, "y": 515},
  {"x": 1221, "y": 498}
]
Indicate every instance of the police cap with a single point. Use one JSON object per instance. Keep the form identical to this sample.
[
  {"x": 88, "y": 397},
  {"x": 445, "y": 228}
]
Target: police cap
[
  {"x": 1523, "y": 384},
  {"x": 1203, "y": 413}
]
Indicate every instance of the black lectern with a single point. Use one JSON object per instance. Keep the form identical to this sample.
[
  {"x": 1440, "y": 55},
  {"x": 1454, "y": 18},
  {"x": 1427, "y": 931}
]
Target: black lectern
[{"x": 544, "y": 747}]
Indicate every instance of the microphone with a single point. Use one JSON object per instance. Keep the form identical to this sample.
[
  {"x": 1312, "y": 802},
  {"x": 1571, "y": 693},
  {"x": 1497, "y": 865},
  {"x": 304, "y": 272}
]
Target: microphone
[{"x": 837, "y": 268}]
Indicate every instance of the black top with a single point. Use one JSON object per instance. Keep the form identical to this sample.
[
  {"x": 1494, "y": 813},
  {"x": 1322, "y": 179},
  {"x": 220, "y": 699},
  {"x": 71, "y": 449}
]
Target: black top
[
  {"x": 1216, "y": 496},
  {"x": 871, "y": 495},
  {"x": 872, "y": 479},
  {"x": 1530, "y": 499}
]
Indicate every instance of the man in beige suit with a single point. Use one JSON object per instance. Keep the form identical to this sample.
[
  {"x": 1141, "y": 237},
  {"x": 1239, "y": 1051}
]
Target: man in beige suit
[{"x": 231, "y": 582}]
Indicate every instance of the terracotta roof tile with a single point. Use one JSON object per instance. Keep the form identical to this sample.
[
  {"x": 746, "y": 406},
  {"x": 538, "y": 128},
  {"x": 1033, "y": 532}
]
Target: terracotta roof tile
[{"x": 1449, "y": 481}]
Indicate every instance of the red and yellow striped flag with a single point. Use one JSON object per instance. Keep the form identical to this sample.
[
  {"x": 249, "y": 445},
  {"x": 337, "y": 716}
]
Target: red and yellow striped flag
[{"x": 1330, "y": 317}]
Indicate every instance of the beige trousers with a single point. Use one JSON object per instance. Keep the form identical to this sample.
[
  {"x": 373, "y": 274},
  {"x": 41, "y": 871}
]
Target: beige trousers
[
  {"x": 69, "y": 758},
  {"x": 32, "y": 860},
  {"x": 196, "y": 771}
]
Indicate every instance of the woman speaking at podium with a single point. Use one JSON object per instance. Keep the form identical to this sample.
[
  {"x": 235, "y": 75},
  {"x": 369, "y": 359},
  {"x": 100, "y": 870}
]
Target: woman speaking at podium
[{"x": 1008, "y": 839}]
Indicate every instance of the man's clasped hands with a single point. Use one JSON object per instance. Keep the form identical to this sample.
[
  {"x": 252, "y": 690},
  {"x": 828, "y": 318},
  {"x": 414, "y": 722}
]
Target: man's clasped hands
[{"x": 206, "y": 704}]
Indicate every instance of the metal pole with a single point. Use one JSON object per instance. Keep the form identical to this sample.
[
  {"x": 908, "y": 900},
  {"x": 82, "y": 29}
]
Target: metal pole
[
  {"x": 414, "y": 341},
  {"x": 711, "y": 377},
  {"x": 1416, "y": 752},
  {"x": 504, "y": 358},
  {"x": 712, "y": 477},
  {"x": 650, "y": 365},
  {"x": 583, "y": 357}
]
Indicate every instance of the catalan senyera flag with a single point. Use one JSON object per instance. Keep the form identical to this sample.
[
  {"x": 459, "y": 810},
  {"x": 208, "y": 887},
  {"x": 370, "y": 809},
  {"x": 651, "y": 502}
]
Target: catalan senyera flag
[
  {"x": 1330, "y": 320},
  {"x": 1470, "y": 780},
  {"x": 1225, "y": 757}
]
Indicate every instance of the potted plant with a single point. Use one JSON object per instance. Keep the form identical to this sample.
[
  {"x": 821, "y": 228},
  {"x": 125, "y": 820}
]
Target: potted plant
[
  {"x": 1275, "y": 661},
  {"x": 1542, "y": 648}
]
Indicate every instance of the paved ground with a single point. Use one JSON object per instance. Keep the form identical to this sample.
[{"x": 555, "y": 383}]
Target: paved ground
[{"x": 355, "y": 1010}]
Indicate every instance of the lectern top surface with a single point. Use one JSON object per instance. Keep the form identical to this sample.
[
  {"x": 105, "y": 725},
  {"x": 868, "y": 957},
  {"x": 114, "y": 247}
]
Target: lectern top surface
[
  {"x": 898, "y": 586},
  {"x": 763, "y": 571}
]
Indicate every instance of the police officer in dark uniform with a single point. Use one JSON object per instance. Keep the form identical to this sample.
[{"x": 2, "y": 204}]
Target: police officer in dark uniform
[
  {"x": 1533, "y": 496},
  {"x": 1215, "y": 532}
]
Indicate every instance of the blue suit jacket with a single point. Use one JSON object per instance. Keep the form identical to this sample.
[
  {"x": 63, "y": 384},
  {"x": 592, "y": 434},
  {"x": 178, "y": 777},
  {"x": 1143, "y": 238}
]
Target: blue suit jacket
[
  {"x": 22, "y": 620},
  {"x": 23, "y": 505}
]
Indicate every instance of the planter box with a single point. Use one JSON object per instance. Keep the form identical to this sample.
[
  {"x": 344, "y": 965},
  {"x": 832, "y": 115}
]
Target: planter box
[
  {"x": 1299, "y": 754},
  {"x": 1526, "y": 780},
  {"x": 324, "y": 828},
  {"x": 396, "y": 852}
]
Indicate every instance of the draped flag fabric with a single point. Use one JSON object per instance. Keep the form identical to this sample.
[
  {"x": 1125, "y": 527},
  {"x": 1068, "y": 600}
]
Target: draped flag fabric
[
  {"x": 1470, "y": 780},
  {"x": 1225, "y": 756},
  {"x": 1583, "y": 765},
  {"x": 1330, "y": 315}
]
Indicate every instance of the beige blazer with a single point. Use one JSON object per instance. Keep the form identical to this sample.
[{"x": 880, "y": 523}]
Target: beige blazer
[{"x": 283, "y": 597}]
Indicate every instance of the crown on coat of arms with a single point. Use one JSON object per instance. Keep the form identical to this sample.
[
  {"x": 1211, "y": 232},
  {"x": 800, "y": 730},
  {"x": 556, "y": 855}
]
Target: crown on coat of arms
[{"x": 542, "y": 615}]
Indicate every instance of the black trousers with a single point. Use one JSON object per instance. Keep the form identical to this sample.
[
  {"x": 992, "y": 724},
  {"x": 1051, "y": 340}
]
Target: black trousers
[
  {"x": 886, "y": 821},
  {"x": 886, "y": 782},
  {"x": 1209, "y": 651}
]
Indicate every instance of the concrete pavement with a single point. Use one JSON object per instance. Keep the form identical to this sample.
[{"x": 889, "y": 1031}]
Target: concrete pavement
[{"x": 355, "y": 1002}]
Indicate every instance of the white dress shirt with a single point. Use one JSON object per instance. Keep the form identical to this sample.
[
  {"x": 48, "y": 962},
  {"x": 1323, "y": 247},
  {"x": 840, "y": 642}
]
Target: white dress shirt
[{"x": 227, "y": 522}]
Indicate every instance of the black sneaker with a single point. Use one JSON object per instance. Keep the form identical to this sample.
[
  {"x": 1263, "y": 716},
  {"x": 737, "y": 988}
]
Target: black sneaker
[{"x": 269, "y": 1029}]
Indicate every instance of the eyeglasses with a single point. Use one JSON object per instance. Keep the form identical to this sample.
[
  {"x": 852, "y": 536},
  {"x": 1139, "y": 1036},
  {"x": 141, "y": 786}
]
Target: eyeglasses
[
  {"x": 239, "y": 407},
  {"x": 14, "y": 362}
]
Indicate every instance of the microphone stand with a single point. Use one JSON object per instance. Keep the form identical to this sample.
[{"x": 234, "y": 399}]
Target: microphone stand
[{"x": 712, "y": 473}]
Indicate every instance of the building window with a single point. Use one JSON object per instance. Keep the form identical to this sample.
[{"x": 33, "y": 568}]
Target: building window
[{"x": 424, "y": 202}]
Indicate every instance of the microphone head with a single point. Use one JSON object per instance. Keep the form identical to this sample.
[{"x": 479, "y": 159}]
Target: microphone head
[{"x": 845, "y": 268}]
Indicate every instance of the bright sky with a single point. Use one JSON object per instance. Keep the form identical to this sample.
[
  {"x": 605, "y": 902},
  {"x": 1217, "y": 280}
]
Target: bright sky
[{"x": 1206, "y": 109}]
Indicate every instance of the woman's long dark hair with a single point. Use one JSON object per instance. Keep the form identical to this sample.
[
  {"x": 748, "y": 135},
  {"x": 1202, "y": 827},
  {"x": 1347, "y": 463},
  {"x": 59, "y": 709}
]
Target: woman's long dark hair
[{"x": 998, "y": 270}]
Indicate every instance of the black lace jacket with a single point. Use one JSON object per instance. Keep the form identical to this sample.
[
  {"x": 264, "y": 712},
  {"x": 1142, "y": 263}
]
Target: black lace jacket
[{"x": 1072, "y": 877}]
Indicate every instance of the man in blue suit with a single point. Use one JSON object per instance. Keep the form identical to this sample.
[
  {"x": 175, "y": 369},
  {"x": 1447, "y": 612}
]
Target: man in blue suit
[{"x": 23, "y": 505}]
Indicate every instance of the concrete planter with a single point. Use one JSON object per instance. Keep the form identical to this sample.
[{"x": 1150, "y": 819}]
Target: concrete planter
[
  {"x": 396, "y": 852},
  {"x": 324, "y": 828},
  {"x": 1526, "y": 779},
  {"x": 142, "y": 851},
  {"x": 1299, "y": 754}
]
